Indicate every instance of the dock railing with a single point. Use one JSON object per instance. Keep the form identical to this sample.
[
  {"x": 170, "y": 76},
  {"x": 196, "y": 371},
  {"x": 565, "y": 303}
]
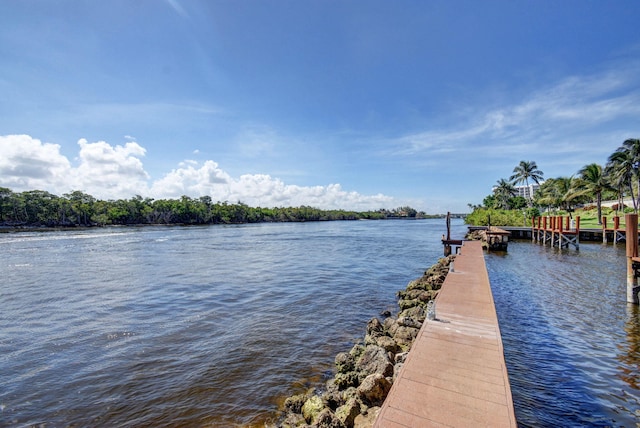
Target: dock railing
[{"x": 557, "y": 231}]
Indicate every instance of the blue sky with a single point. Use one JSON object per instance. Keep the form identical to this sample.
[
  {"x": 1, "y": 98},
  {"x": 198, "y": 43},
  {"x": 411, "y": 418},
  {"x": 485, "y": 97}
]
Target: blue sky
[{"x": 334, "y": 104}]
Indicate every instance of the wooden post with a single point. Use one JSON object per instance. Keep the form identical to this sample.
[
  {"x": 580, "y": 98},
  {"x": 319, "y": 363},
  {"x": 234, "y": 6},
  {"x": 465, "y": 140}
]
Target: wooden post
[
  {"x": 533, "y": 229},
  {"x": 539, "y": 224},
  {"x": 447, "y": 244},
  {"x": 604, "y": 230},
  {"x": 631, "y": 221},
  {"x": 559, "y": 232},
  {"x": 616, "y": 226}
]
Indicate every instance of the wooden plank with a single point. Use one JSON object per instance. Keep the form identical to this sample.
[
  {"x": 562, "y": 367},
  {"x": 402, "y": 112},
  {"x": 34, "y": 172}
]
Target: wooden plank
[{"x": 455, "y": 374}]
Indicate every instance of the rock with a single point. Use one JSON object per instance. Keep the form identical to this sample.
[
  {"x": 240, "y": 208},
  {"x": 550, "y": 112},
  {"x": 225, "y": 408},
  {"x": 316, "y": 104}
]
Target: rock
[
  {"x": 387, "y": 343},
  {"x": 418, "y": 313},
  {"x": 347, "y": 413},
  {"x": 326, "y": 419},
  {"x": 374, "y": 327},
  {"x": 345, "y": 380},
  {"x": 401, "y": 357},
  {"x": 293, "y": 420},
  {"x": 396, "y": 371},
  {"x": 294, "y": 403},
  {"x": 374, "y": 389},
  {"x": 409, "y": 322},
  {"x": 406, "y": 334},
  {"x": 331, "y": 386},
  {"x": 390, "y": 325},
  {"x": 365, "y": 373},
  {"x": 371, "y": 340},
  {"x": 404, "y": 337},
  {"x": 366, "y": 420},
  {"x": 374, "y": 360},
  {"x": 333, "y": 399},
  {"x": 356, "y": 351},
  {"x": 312, "y": 408},
  {"x": 349, "y": 393},
  {"x": 415, "y": 294},
  {"x": 406, "y": 304},
  {"x": 344, "y": 362}
]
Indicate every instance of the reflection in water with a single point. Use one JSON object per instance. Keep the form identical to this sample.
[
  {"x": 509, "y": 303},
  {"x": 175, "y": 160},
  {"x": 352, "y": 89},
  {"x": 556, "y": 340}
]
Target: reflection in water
[
  {"x": 190, "y": 326},
  {"x": 212, "y": 326},
  {"x": 630, "y": 354},
  {"x": 571, "y": 343}
]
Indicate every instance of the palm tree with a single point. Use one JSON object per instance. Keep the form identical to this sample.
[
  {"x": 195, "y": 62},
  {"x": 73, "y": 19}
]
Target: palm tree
[
  {"x": 632, "y": 145},
  {"x": 503, "y": 192},
  {"x": 595, "y": 182},
  {"x": 559, "y": 192},
  {"x": 523, "y": 172},
  {"x": 622, "y": 168}
]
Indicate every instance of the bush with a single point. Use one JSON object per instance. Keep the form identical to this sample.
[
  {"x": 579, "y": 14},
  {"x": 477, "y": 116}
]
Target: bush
[{"x": 482, "y": 216}]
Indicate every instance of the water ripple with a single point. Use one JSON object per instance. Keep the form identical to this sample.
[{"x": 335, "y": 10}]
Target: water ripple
[
  {"x": 562, "y": 316},
  {"x": 190, "y": 326}
]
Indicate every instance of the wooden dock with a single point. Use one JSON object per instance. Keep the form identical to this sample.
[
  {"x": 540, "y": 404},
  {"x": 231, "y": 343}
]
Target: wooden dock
[
  {"x": 455, "y": 374},
  {"x": 558, "y": 231}
]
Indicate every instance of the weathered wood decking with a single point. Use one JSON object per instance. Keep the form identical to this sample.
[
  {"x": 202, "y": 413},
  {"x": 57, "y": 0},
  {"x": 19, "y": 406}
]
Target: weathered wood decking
[{"x": 455, "y": 374}]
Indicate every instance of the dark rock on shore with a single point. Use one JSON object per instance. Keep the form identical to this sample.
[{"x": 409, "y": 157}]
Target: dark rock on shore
[{"x": 365, "y": 374}]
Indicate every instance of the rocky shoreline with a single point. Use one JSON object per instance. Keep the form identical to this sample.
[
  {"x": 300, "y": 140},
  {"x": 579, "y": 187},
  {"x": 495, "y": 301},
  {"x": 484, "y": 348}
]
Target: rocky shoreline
[{"x": 364, "y": 375}]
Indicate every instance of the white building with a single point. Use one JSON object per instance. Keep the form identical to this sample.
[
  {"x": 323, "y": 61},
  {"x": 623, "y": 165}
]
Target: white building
[{"x": 528, "y": 191}]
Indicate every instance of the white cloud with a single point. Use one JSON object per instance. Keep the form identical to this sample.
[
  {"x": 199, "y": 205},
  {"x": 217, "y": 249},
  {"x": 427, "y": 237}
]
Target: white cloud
[
  {"x": 191, "y": 180},
  {"x": 574, "y": 107},
  {"x": 259, "y": 190},
  {"x": 113, "y": 172},
  {"x": 28, "y": 164}
]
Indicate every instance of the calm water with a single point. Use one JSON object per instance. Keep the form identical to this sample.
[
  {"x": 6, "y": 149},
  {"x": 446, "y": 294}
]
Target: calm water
[
  {"x": 190, "y": 326},
  {"x": 572, "y": 344},
  {"x": 212, "y": 326}
]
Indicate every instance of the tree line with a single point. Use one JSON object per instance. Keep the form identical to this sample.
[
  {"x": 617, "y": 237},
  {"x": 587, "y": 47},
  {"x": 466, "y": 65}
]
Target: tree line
[
  {"x": 618, "y": 179},
  {"x": 41, "y": 208}
]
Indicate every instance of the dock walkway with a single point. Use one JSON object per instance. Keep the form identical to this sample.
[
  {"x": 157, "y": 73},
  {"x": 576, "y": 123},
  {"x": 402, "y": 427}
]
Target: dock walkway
[{"x": 455, "y": 374}]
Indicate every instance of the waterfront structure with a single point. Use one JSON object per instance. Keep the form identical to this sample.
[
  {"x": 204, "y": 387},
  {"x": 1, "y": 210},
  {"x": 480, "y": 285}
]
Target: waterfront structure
[
  {"x": 558, "y": 231},
  {"x": 455, "y": 374},
  {"x": 617, "y": 233},
  {"x": 633, "y": 261},
  {"x": 497, "y": 239}
]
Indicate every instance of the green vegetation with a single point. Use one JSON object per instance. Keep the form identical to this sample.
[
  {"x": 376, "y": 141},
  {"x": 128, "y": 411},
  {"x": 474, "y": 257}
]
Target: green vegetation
[
  {"x": 40, "y": 208},
  {"x": 580, "y": 194},
  {"x": 497, "y": 217}
]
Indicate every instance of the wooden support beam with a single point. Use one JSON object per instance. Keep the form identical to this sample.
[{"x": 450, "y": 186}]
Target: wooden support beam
[{"x": 631, "y": 221}]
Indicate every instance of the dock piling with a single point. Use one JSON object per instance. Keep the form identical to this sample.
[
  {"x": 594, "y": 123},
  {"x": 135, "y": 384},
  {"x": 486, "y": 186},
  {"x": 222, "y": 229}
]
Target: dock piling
[{"x": 633, "y": 263}]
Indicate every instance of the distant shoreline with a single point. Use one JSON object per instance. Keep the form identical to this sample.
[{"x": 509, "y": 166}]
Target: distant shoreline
[{"x": 39, "y": 228}]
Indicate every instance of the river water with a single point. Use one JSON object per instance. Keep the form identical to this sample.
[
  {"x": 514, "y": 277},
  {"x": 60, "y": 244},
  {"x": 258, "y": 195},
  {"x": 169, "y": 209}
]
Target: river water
[
  {"x": 214, "y": 326},
  {"x": 571, "y": 342}
]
